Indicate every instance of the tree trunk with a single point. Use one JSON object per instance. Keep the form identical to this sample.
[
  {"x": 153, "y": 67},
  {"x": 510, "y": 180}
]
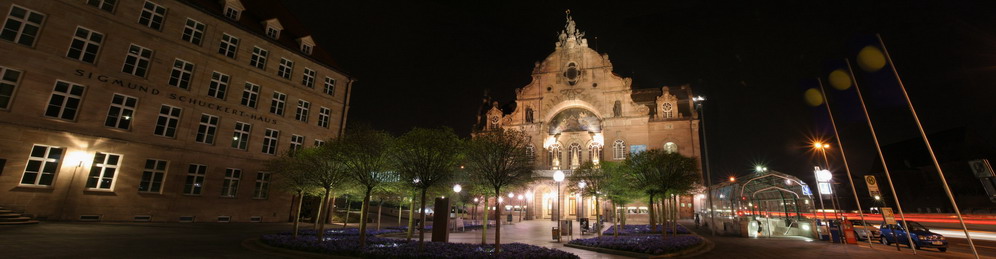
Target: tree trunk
[
  {"x": 653, "y": 217},
  {"x": 345, "y": 219},
  {"x": 363, "y": 218},
  {"x": 401, "y": 202},
  {"x": 411, "y": 217},
  {"x": 497, "y": 219},
  {"x": 380, "y": 208},
  {"x": 484, "y": 223},
  {"x": 616, "y": 218},
  {"x": 674, "y": 230},
  {"x": 297, "y": 216},
  {"x": 665, "y": 213},
  {"x": 598, "y": 218},
  {"x": 318, "y": 219},
  {"x": 421, "y": 227}
]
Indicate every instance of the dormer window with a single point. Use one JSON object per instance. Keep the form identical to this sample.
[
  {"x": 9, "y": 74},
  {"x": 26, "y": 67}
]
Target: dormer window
[
  {"x": 233, "y": 9},
  {"x": 273, "y": 28},
  {"x": 307, "y": 44}
]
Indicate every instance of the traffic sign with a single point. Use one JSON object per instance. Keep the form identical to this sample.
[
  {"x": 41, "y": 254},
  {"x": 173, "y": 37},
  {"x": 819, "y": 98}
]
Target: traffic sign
[
  {"x": 889, "y": 217},
  {"x": 872, "y": 186}
]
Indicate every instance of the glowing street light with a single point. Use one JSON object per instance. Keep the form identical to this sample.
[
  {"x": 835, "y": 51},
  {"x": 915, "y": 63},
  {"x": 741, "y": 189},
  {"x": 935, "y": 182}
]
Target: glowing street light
[
  {"x": 457, "y": 188},
  {"x": 733, "y": 179},
  {"x": 558, "y": 177}
]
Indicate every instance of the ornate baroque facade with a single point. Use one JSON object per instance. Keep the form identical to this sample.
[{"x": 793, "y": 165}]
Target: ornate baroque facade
[{"x": 576, "y": 109}]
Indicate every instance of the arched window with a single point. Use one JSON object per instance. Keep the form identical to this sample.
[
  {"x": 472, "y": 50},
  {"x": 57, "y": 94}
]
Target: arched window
[
  {"x": 670, "y": 147},
  {"x": 531, "y": 151},
  {"x": 575, "y": 155},
  {"x": 594, "y": 153},
  {"x": 618, "y": 150},
  {"x": 553, "y": 159}
]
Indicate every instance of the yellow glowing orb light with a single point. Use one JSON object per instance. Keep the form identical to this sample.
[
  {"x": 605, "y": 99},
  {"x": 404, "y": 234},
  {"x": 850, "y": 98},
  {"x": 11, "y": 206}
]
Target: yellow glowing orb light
[
  {"x": 871, "y": 59},
  {"x": 813, "y": 97},
  {"x": 840, "y": 80}
]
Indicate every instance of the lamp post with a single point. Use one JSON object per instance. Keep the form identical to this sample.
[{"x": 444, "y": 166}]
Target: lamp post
[
  {"x": 705, "y": 150},
  {"x": 456, "y": 189},
  {"x": 558, "y": 177},
  {"x": 473, "y": 216},
  {"x": 522, "y": 207},
  {"x": 826, "y": 164},
  {"x": 581, "y": 185}
]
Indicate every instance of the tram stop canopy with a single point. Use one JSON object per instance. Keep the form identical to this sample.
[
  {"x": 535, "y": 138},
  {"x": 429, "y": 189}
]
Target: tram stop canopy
[{"x": 769, "y": 203}]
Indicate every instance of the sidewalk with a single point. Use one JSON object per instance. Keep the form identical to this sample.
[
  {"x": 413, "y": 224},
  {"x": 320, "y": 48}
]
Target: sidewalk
[{"x": 532, "y": 232}]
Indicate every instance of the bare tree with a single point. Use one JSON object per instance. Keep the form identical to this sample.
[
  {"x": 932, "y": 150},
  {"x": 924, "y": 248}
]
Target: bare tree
[
  {"x": 426, "y": 158},
  {"x": 498, "y": 160}
]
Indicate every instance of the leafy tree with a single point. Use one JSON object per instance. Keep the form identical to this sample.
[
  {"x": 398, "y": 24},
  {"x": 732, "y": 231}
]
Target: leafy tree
[
  {"x": 326, "y": 169},
  {"x": 594, "y": 179},
  {"x": 663, "y": 173},
  {"x": 619, "y": 188},
  {"x": 364, "y": 156},
  {"x": 498, "y": 160},
  {"x": 426, "y": 158},
  {"x": 291, "y": 174}
]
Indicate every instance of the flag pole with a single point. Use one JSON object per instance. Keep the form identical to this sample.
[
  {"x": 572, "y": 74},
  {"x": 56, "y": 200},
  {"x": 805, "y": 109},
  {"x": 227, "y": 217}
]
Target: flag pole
[
  {"x": 878, "y": 147},
  {"x": 933, "y": 157},
  {"x": 847, "y": 168}
]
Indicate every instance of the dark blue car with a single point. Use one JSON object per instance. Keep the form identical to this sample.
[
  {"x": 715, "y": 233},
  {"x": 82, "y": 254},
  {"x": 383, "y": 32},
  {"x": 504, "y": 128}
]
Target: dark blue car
[{"x": 922, "y": 237}]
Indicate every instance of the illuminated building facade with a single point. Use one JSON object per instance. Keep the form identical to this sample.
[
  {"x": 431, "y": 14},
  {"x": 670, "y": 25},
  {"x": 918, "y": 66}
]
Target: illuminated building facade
[
  {"x": 576, "y": 110},
  {"x": 160, "y": 110}
]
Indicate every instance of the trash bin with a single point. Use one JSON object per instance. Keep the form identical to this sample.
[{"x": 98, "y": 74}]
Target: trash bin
[
  {"x": 835, "y": 232},
  {"x": 556, "y": 233}
]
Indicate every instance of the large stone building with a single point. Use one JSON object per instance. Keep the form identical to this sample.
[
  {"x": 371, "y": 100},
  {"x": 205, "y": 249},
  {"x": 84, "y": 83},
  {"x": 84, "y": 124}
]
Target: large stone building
[
  {"x": 576, "y": 109},
  {"x": 161, "y": 110}
]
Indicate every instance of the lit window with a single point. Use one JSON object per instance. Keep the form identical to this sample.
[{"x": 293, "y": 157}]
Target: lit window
[
  {"x": 152, "y": 176},
  {"x": 286, "y": 68},
  {"x": 121, "y": 111},
  {"x": 106, "y": 5},
  {"x": 219, "y": 85},
  {"x": 250, "y": 94},
  {"x": 262, "y": 190},
  {"x": 270, "y": 138},
  {"x": 277, "y": 104},
  {"x": 618, "y": 150},
  {"x": 180, "y": 76},
  {"x": 193, "y": 32},
  {"x": 324, "y": 115},
  {"x": 169, "y": 117},
  {"x": 319, "y": 142},
  {"x": 65, "y": 100},
  {"x": 594, "y": 153},
  {"x": 308, "y": 79},
  {"x": 258, "y": 58},
  {"x": 302, "y": 110},
  {"x": 137, "y": 60},
  {"x": 8, "y": 83},
  {"x": 152, "y": 15},
  {"x": 195, "y": 179},
  {"x": 574, "y": 155},
  {"x": 229, "y": 45},
  {"x": 103, "y": 171},
  {"x": 230, "y": 187},
  {"x": 330, "y": 86},
  {"x": 207, "y": 128},
  {"x": 240, "y": 138},
  {"x": 22, "y": 26},
  {"x": 43, "y": 162},
  {"x": 296, "y": 142},
  {"x": 85, "y": 45}
]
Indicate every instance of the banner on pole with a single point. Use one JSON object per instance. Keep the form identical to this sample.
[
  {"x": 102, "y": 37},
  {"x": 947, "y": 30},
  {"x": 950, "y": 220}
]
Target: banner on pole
[
  {"x": 872, "y": 186},
  {"x": 889, "y": 217},
  {"x": 981, "y": 168}
]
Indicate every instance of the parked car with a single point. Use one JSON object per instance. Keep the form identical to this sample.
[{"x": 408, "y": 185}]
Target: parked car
[
  {"x": 865, "y": 231},
  {"x": 922, "y": 237}
]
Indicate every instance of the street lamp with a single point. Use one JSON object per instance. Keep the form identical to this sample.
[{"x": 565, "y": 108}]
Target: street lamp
[
  {"x": 522, "y": 207},
  {"x": 457, "y": 188},
  {"x": 826, "y": 163},
  {"x": 558, "y": 177},
  {"x": 581, "y": 185},
  {"x": 474, "y": 215}
]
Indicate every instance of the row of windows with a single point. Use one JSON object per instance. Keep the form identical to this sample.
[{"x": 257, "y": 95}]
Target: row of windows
[
  {"x": 22, "y": 26},
  {"x": 43, "y": 163},
  {"x": 574, "y": 155},
  {"x": 67, "y": 97}
]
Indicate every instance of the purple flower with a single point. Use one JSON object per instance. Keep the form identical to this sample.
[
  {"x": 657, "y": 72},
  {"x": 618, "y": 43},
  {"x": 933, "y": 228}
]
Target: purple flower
[
  {"x": 378, "y": 247},
  {"x": 642, "y": 230},
  {"x": 647, "y": 244}
]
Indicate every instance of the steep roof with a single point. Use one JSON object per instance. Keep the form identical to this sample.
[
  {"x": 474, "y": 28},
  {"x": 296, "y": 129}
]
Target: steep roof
[{"x": 255, "y": 15}]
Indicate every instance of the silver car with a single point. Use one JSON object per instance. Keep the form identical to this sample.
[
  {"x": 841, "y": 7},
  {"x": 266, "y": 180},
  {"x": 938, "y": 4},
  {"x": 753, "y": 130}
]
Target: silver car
[{"x": 861, "y": 231}]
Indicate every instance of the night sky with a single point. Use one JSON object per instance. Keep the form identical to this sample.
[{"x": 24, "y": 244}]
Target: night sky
[{"x": 427, "y": 63}]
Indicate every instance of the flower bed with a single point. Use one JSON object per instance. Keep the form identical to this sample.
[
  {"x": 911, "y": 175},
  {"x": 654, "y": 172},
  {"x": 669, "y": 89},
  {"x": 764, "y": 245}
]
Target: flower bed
[
  {"x": 344, "y": 232},
  {"x": 647, "y": 244},
  {"x": 395, "y": 248},
  {"x": 642, "y": 230}
]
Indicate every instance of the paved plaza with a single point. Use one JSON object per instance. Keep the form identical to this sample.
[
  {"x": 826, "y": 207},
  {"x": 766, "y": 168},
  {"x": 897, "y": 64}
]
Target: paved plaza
[{"x": 233, "y": 240}]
